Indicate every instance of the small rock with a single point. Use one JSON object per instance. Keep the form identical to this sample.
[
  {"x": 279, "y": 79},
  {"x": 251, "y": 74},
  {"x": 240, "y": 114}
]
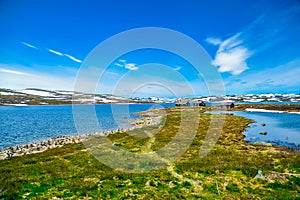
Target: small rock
[
  {"x": 9, "y": 155},
  {"x": 263, "y": 144},
  {"x": 116, "y": 144},
  {"x": 268, "y": 144},
  {"x": 259, "y": 175},
  {"x": 263, "y": 133}
]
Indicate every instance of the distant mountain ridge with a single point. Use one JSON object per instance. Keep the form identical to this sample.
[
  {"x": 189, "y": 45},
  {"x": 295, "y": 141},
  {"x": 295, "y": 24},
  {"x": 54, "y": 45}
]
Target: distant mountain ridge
[{"x": 35, "y": 96}]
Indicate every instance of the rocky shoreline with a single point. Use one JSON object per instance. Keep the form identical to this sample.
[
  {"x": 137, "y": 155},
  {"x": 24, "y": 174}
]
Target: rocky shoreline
[
  {"x": 146, "y": 121},
  {"x": 71, "y": 139}
]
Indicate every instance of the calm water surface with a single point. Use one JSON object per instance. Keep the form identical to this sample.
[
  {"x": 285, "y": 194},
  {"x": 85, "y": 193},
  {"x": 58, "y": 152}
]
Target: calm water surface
[
  {"x": 281, "y": 128},
  {"x": 22, "y": 125}
]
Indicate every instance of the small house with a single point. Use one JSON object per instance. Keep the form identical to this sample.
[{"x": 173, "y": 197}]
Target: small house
[
  {"x": 181, "y": 102},
  {"x": 198, "y": 102},
  {"x": 226, "y": 105}
]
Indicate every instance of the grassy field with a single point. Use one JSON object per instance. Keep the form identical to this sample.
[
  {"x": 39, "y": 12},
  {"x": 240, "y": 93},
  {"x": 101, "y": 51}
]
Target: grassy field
[{"x": 227, "y": 172}]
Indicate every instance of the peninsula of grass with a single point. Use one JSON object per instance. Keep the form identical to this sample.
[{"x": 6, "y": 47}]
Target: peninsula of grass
[
  {"x": 227, "y": 172},
  {"x": 284, "y": 107}
]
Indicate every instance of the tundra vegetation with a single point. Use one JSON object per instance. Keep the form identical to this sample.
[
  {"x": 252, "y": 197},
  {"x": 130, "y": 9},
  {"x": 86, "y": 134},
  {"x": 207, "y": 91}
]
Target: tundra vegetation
[{"x": 233, "y": 169}]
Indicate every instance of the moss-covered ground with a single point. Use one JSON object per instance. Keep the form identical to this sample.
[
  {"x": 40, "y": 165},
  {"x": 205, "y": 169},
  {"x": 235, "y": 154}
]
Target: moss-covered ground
[{"x": 227, "y": 172}]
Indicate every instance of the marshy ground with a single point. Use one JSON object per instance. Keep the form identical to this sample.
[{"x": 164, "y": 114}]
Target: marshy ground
[{"x": 227, "y": 172}]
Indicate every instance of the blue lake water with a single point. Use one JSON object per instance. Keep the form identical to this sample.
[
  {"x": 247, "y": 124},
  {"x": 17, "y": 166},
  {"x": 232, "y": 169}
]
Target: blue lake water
[
  {"x": 281, "y": 128},
  {"x": 22, "y": 125}
]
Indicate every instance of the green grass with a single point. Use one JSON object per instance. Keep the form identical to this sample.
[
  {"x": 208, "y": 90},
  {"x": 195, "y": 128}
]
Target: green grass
[{"x": 227, "y": 172}]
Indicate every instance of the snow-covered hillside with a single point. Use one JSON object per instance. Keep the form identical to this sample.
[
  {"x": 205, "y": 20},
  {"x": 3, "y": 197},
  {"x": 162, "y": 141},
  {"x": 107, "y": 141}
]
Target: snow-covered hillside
[
  {"x": 35, "y": 96},
  {"x": 36, "y": 92}
]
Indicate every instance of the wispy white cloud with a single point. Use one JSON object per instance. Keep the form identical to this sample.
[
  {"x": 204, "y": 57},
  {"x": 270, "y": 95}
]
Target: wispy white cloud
[
  {"x": 118, "y": 64},
  {"x": 20, "y": 77},
  {"x": 73, "y": 58},
  {"x": 131, "y": 66},
  {"x": 29, "y": 45},
  {"x": 282, "y": 77},
  {"x": 265, "y": 33},
  {"x": 177, "y": 68},
  {"x": 214, "y": 41},
  {"x": 66, "y": 55},
  {"x": 9, "y": 71},
  {"x": 112, "y": 73},
  {"x": 123, "y": 63},
  {"x": 232, "y": 55},
  {"x": 55, "y": 52}
]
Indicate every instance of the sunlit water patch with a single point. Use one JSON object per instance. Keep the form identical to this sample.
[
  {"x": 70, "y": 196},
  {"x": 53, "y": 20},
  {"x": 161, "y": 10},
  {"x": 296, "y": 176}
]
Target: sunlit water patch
[{"x": 277, "y": 128}]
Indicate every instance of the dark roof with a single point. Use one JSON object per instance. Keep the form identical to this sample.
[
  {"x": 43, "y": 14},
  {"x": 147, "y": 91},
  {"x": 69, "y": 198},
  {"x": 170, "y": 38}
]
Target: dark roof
[{"x": 227, "y": 103}]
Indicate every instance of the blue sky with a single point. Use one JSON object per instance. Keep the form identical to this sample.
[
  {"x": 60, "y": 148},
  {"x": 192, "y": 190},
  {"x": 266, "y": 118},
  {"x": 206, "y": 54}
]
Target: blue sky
[{"x": 253, "y": 44}]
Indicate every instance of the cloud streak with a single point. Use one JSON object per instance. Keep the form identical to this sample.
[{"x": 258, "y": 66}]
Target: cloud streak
[
  {"x": 283, "y": 78},
  {"x": 213, "y": 41},
  {"x": 13, "y": 72},
  {"x": 123, "y": 63},
  {"x": 73, "y": 58},
  {"x": 58, "y": 53},
  {"x": 131, "y": 66},
  {"x": 119, "y": 65},
  {"x": 177, "y": 68},
  {"x": 65, "y": 55},
  {"x": 55, "y": 52},
  {"x": 20, "y": 77},
  {"x": 29, "y": 45}
]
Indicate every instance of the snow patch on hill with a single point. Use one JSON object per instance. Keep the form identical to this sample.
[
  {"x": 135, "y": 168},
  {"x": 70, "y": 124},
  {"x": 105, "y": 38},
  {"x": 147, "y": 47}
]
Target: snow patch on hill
[{"x": 38, "y": 93}]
